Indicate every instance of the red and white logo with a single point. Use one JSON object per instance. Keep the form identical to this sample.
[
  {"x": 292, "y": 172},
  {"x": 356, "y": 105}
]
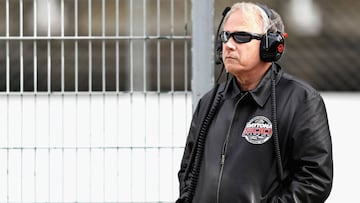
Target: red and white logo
[{"x": 258, "y": 130}]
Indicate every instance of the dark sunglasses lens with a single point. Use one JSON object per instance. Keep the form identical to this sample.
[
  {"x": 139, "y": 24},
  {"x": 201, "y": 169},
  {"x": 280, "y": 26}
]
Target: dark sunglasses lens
[{"x": 241, "y": 37}]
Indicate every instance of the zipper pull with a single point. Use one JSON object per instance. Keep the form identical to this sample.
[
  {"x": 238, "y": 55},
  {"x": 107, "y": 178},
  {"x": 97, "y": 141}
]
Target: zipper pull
[{"x": 222, "y": 159}]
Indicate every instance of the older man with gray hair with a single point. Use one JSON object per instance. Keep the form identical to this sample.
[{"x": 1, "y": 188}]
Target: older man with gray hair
[{"x": 263, "y": 135}]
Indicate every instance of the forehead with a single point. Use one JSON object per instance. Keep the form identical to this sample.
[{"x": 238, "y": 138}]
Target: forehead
[{"x": 239, "y": 20}]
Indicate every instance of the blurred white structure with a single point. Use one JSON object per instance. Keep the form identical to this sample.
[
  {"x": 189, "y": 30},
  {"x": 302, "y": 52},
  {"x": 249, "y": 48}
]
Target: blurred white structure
[
  {"x": 304, "y": 17},
  {"x": 343, "y": 113},
  {"x": 49, "y": 16}
]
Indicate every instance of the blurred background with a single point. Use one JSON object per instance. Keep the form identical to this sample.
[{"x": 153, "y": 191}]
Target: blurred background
[
  {"x": 323, "y": 43},
  {"x": 322, "y": 48},
  {"x": 96, "y": 96}
]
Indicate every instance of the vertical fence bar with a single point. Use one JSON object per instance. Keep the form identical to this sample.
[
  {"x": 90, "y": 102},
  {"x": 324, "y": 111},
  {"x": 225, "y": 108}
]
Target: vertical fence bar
[
  {"x": 21, "y": 10},
  {"x": 131, "y": 98},
  {"x": 202, "y": 51},
  {"x": 117, "y": 97},
  {"x": 48, "y": 48},
  {"x": 62, "y": 47},
  {"x": 158, "y": 65},
  {"x": 186, "y": 88},
  {"x": 186, "y": 58},
  {"x": 7, "y": 97},
  {"x": 76, "y": 61},
  {"x": 117, "y": 33},
  {"x": 21, "y": 16},
  {"x": 90, "y": 97},
  {"x": 103, "y": 51},
  {"x": 145, "y": 95},
  {"x": 131, "y": 47},
  {"x": 103, "y": 47},
  {"x": 35, "y": 45},
  {"x": 76, "y": 51},
  {"x": 172, "y": 45},
  {"x": 48, "y": 95},
  {"x": 144, "y": 48},
  {"x": 90, "y": 44},
  {"x": 172, "y": 91},
  {"x": 62, "y": 100},
  {"x": 49, "y": 91},
  {"x": 35, "y": 99},
  {"x": 7, "y": 48},
  {"x": 158, "y": 54}
]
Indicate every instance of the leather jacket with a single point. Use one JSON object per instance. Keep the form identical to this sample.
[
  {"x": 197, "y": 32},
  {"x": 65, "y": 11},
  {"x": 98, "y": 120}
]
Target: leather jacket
[{"x": 239, "y": 163}]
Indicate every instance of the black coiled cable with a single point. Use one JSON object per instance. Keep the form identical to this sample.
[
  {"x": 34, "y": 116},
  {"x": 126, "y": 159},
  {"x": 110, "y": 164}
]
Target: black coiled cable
[
  {"x": 211, "y": 110},
  {"x": 275, "y": 130},
  {"x": 200, "y": 144}
]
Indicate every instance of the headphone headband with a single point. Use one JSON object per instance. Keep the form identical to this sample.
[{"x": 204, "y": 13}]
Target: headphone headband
[{"x": 267, "y": 10}]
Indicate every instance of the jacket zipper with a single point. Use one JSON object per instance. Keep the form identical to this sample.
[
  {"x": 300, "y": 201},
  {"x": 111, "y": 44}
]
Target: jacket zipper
[{"x": 224, "y": 150}]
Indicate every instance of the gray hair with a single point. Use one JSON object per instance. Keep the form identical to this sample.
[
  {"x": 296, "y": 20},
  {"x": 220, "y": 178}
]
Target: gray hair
[{"x": 272, "y": 23}]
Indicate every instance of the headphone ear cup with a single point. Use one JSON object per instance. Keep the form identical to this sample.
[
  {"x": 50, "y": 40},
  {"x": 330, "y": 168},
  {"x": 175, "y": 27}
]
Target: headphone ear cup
[{"x": 272, "y": 47}]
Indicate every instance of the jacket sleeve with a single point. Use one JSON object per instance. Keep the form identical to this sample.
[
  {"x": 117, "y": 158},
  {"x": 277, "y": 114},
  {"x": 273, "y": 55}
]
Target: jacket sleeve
[
  {"x": 184, "y": 166},
  {"x": 309, "y": 179}
]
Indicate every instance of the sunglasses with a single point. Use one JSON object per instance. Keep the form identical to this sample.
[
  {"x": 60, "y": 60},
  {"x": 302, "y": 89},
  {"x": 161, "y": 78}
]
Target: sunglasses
[{"x": 239, "y": 37}]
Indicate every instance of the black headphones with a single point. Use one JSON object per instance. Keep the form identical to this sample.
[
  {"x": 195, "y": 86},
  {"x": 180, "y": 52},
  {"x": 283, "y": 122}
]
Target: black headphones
[{"x": 272, "y": 44}]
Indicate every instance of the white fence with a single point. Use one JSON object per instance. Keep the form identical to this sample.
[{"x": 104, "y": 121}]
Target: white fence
[
  {"x": 125, "y": 147},
  {"x": 92, "y": 148},
  {"x": 94, "y": 99}
]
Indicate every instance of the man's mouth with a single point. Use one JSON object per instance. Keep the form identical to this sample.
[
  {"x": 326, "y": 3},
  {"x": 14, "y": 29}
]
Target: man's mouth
[{"x": 230, "y": 57}]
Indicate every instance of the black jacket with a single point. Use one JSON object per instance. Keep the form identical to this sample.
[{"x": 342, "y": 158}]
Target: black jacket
[{"x": 241, "y": 136}]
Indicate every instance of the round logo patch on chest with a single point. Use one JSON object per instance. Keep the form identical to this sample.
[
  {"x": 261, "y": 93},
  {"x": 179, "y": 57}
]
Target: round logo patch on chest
[{"x": 258, "y": 130}]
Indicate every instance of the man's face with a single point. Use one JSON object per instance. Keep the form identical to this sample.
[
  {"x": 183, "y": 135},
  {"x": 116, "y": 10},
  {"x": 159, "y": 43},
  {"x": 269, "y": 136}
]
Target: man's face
[{"x": 242, "y": 57}]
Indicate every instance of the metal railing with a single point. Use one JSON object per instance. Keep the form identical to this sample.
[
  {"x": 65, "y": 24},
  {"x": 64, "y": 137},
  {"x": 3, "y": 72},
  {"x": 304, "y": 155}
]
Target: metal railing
[{"x": 95, "y": 99}]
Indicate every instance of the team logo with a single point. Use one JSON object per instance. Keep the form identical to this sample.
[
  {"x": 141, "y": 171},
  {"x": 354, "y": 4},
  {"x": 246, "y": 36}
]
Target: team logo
[{"x": 258, "y": 130}]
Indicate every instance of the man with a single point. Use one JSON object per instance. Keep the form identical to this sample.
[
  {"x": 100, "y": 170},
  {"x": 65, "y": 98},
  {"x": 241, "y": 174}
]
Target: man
[{"x": 267, "y": 137}]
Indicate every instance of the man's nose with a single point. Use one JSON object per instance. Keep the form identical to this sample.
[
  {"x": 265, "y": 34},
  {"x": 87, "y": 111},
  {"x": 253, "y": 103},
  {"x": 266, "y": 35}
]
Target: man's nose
[{"x": 230, "y": 44}]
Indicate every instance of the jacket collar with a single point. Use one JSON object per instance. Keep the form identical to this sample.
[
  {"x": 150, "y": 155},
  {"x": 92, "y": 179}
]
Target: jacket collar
[{"x": 263, "y": 90}]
